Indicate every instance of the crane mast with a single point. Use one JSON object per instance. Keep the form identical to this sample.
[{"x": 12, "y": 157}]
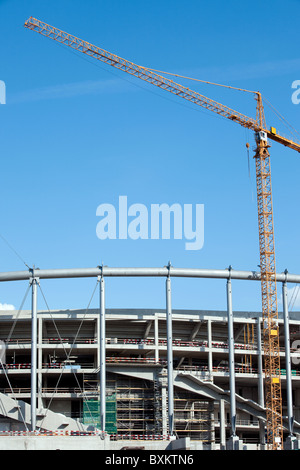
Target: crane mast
[{"x": 273, "y": 398}]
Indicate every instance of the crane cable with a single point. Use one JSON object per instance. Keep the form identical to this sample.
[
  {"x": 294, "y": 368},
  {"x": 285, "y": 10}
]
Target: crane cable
[
  {"x": 279, "y": 115},
  {"x": 293, "y": 297},
  {"x": 282, "y": 118},
  {"x": 198, "y": 80},
  {"x": 3, "y": 365},
  {"x": 68, "y": 354},
  {"x": 13, "y": 250},
  {"x": 13, "y": 394}
]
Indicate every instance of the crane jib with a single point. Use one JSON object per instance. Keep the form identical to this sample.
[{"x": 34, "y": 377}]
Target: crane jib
[
  {"x": 158, "y": 80},
  {"x": 155, "y": 79}
]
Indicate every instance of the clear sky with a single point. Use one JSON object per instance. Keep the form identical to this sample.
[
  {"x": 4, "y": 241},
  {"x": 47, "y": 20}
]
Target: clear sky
[{"x": 76, "y": 133}]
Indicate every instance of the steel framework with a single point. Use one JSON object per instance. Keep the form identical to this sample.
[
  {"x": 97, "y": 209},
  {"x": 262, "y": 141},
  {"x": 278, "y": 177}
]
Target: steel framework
[{"x": 34, "y": 276}]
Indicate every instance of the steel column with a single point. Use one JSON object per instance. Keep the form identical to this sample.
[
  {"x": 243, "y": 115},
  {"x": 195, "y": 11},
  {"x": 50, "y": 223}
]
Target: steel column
[
  {"x": 34, "y": 283},
  {"x": 209, "y": 338},
  {"x": 261, "y": 395},
  {"x": 156, "y": 338},
  {"x": 170, "y": 357},
  {"x": 102, "y": 356},
  {"x": 231, "y": 359},
  {"x": 287, "y": 359},
  {"x": 222, "y": 425}
]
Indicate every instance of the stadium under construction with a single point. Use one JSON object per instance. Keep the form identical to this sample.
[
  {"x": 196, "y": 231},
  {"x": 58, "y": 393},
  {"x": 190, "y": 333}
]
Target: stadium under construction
[
  {"x": 160, "y": 379},
  {"x": 164, "y": 378}
]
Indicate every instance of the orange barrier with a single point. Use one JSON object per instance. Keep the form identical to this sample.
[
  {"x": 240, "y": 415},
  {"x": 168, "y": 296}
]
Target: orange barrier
[
  {"x": 52, "y": 433},
  {"x": 132, "y": 437},
  {"x": 139, "y": 437}
]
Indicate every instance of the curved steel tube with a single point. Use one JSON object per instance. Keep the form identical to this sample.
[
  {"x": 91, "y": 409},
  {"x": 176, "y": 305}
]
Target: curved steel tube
[{"x": 141, "y": 272}]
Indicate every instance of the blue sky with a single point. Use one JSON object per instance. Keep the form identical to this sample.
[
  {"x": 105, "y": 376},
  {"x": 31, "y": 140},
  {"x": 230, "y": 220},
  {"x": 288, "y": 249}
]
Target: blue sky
[{"x": 76, "y": 133}]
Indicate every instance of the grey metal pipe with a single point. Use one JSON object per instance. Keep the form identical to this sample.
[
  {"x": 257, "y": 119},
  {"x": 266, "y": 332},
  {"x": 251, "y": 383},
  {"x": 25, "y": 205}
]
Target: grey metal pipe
[
  {"x": 287, "y": 359},
  {"x": 209, "y": 338},
  {"x": 33, "y": 352},
  {"x": 142, "y": 272},
  {"x": 261, "y": 396},
  {"x": 231, "y": 359},
  {"x": 222, "y": 425},
  {"x": 102, "y": 356},
  {"x": 170, "y": 357}
]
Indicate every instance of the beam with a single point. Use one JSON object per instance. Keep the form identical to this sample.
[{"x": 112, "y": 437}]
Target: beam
[
  {"x": 170, "y": 357},
  {"x": 143, "y": 272},
  {"x": 289, "y": 389},
  {"x": 34, "y": 283},
  {"x": 102, "y": 356},
  {"x": 231, "y": 359}
]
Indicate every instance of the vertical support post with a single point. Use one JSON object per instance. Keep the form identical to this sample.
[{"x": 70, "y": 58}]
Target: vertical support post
[
  {"x": 34, "y": 282},
  {"x": 170, "y": 355},
  {"x": 102, "y": 356},
  {"x": 231, "y": 357},
  {"x": 156, "y": 338},
  {"x": 209, "y": 338},
  {"x": 97, "y": 335},
  {"x": 40, "y": 362},
  {"x": 261, "y": 400},
  {"x": 164, "y": 425},
  {"x": 287, "y": 359},
  {"x": 222, "y": 425},
  {"x": 261, "y": 396}
]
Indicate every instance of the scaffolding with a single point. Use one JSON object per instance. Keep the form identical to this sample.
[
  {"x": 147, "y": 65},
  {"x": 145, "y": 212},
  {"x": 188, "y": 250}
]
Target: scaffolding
[
  {"x": 193, "y": 417},
  {"x": 92, "y": 415},
  {"x": 134, "y": 406}
]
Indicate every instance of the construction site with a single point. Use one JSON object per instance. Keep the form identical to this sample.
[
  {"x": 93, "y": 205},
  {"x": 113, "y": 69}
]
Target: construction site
[
  {"x": 169, "y": 379},
  {"x": 156, "y": 379}
]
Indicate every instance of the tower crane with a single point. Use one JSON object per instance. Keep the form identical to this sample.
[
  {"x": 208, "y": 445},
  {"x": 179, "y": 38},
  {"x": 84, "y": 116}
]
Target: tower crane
[{"x": 273, "y": 397}]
